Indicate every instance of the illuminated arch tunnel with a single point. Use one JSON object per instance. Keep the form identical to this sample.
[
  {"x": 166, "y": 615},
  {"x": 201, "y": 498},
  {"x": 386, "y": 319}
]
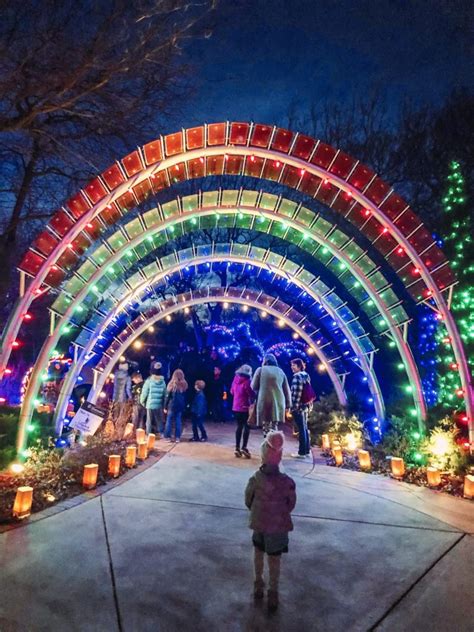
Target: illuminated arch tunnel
[{"x": 360, "y": 264}]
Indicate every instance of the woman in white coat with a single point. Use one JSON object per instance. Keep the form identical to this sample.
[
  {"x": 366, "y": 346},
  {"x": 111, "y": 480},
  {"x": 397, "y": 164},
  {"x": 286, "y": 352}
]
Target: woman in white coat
[{"x": 273, "y": 394}]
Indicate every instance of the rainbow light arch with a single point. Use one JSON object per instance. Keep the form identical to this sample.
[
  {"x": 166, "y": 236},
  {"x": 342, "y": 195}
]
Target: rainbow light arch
[{"x": 297, "y": 161}]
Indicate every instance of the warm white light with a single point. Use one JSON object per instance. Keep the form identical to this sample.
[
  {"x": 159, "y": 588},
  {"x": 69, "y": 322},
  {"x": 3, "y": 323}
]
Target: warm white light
[
  {"x": 281, "y": 322},
  {"x": 295, "y": 336},
  {"x": 122, "y": 359},
  {"x": 351, "y": 442},
  {"x": 310, "y": 351},
  {"x": 440, "y": 445},
  {"x": 263, "y": 314},
  {"x": 102, "y": 394},
  {"x": 17, "y": 468},
  {"x": 168, "y": 318},
  {"x": 226, "y": 305},
  {"x": 151, "y": 329},
  {"x": 245, "y": 308},
  {"x": 186, "y": 310},
  {"x": 321, "y": 367},
  {"x": 138, "y": 344}
]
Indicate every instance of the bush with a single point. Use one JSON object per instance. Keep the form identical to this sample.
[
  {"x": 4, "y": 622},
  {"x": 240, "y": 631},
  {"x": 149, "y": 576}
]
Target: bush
[
  {"x": 441, "y": 449},
  {"x": 319, "y": 417}
]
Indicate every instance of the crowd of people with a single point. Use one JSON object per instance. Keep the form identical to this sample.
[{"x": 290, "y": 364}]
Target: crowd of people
[{"x": 262, "y": 399}]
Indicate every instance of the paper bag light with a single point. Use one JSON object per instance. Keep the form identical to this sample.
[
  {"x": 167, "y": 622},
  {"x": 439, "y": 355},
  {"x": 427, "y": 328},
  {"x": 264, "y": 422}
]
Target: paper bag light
[
  {"x": 434, "y": 476},
  {"x": 398, "y": 467},
  {"x": 337, "y": 454},
  {"x": 23, "y": 500},
  {"x": 142, "y": 450},
  {"x": 114, "y": 465},
  {"x": 469, "y": 486},
  {"x": 131, "y": 456},
  {"x": 325, "y": 443},
  {"x": 151, "y": 441},
  {"x": 140, "y": 435},
  {"x": 364, "y": 460},
  {"x": 89, "y": 478}
]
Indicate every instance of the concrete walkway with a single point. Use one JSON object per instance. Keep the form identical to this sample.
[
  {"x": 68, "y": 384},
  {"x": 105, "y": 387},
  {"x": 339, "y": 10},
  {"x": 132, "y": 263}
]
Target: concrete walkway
[{"x": 170, "y": 550}]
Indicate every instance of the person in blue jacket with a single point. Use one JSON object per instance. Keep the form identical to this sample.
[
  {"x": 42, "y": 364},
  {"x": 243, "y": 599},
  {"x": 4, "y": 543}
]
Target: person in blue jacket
[
  {"x": 153, "y": 398},
  {"x": 199, "y": 411}
]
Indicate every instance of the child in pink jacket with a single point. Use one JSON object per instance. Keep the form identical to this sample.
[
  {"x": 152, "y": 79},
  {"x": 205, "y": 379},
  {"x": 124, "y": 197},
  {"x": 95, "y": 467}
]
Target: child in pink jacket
[
  {"x": 243, "y": 396},
  {"x": 271, "y": 497}
]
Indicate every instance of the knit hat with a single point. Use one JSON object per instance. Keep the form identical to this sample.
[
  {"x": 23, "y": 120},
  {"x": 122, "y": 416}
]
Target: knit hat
[
  {"x": 156, "y": 365},
  {"x": 245, "y": 369},
  {"x": 272, "y": 448}
]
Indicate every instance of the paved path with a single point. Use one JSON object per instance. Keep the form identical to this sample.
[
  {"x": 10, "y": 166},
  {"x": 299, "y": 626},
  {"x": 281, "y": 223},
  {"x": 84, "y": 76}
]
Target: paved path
[{"x": 170, "y": 550}]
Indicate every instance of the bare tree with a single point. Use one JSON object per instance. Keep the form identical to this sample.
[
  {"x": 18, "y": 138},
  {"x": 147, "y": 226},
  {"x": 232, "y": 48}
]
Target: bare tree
[{"x": 81, "y": 82}]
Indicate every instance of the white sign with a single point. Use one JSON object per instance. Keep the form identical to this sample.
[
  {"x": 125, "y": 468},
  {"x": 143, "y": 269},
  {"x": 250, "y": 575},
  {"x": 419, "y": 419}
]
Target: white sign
[{"x": 88, "y": 418}]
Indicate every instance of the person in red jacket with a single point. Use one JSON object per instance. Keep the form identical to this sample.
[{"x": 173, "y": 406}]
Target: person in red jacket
[{"x": 243, "y": 396}]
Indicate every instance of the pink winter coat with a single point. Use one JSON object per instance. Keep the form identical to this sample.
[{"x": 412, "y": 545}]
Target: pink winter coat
[
  {"x": 271, "y": 497},
  {"x": 242, "y": 393}
]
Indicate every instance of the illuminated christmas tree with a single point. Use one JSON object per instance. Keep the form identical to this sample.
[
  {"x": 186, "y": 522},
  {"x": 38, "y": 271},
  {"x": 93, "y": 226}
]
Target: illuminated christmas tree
[{"x": 458, "y": 248}]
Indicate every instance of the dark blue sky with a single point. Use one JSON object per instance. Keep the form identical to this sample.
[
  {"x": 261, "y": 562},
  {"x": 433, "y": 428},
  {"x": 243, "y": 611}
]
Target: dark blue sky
[{"x": 265, "y": 54}]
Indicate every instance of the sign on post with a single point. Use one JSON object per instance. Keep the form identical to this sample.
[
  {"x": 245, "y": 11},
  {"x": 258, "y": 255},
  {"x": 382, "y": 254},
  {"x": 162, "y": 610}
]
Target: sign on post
[{"x": 88, "y": 418}]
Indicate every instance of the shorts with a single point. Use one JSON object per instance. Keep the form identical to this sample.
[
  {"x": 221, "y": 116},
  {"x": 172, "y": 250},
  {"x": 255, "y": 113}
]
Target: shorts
[{"x": 271, "y": 543}]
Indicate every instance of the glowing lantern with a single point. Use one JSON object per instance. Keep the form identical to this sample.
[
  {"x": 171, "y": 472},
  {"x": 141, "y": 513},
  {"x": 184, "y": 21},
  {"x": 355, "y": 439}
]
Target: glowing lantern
[
  {"x": 398, "y": 467},
  {"x": 151, "y": 441},
  {"x": 351, "y": 442},
  {"x": 131, "y": 455},
  {"x": 114, "y": 465},
  {"x": 23, "y": 500},
  {"x": 128, "y": 430},
  {"x": 89, "y": 478},
  {"x": 326, "y": 444},
  {"x": 364, "y": 460},
  {"x": 142, "y": 450},
  {"x": 337, "y": 454},
  {"x": 434, "y": 476},
  {"x": 140, "y": 435},
  {"x": 469, "y": 486}
]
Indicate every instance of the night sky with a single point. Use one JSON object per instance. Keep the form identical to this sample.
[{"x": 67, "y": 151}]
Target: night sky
[{"x": 264, "y": 55}]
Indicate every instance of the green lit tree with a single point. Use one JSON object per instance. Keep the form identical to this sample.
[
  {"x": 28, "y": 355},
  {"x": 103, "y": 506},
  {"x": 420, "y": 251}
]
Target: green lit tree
[{"x": 457, "y": 232}]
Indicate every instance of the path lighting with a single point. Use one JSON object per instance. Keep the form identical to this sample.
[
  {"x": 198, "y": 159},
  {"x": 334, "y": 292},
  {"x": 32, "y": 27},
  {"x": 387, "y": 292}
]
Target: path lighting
[
  {"x": 434, "y": 476},
  {"x": 89, "y": 478},
  {"x": 469, "y": 486},
  {"x": 151, "y": 441},
  {"x": 128, "y": 430},
  {"x": 398, "y": 467},
  {"x": 142, "y": 450},
  {"x": 22, "y": 504},
  {"x": 114, "y": 465},
  {"x": 140, "y": 435},
  {"x": 337, "y": 454},
  {"x": 351, "y": 442},
  {"x": 131, "y": 455},
  {"x": 325, "y": 443},
  {"x": 364, "y": 460}
]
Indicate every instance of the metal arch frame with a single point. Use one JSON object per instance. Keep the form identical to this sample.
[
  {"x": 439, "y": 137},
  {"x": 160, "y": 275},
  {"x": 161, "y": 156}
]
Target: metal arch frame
[
  {"x": 244, "y": 150},
  {"x": 213, "y": 298},
  {"x": 405, "y": 352},
  {"x": 364, "y": 366}
]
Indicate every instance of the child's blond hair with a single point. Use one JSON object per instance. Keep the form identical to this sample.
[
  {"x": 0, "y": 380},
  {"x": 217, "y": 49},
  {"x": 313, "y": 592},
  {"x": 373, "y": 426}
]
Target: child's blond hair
[{"x": 200, "y": 384}]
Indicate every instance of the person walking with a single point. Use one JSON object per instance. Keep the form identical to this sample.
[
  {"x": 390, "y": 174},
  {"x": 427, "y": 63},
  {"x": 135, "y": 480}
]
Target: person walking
[
  {"x": 216, "y": 389},
  {"x": 273, "y": 394},
  {"x": 271, "y": 497},
  {"x": 138, "y": 410},
  {"x": 243, "y": 396},
  {"x": 153, "y": 398},
  {"x": 199, "y": 411},
  {"x": 175, "y": 403},
  {"x": 302, "y": 395}
]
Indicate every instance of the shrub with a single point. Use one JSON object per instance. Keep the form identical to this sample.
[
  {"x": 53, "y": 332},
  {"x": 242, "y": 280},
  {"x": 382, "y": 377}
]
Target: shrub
[{"x": 441, "y": 449}]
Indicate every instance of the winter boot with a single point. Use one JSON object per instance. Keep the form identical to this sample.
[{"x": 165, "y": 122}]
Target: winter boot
[{"x": 272, "y": 600}]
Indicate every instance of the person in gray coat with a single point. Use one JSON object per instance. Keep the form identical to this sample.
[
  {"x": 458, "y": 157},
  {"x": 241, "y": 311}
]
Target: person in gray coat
[
  {"x": 273, "y": 394},
  {"x": 271, "y": 497}
]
